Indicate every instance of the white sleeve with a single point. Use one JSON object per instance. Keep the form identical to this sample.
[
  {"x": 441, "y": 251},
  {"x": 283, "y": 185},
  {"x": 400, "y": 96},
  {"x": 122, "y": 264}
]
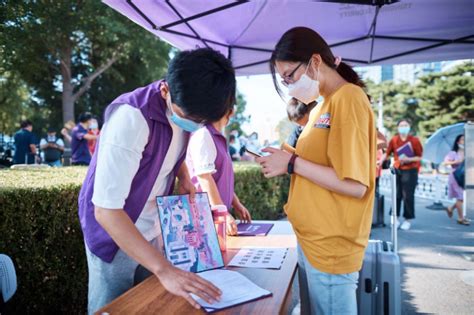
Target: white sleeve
[
  {"x": 60, "y": 142},
  {"x": 203, "y": 152},
  {"x": 122, "y": 141},
  {"x": 43, "y": 142}
]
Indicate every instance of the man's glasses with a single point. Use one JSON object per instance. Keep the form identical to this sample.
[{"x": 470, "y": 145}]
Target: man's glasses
[{"x": 290, "y": 76}]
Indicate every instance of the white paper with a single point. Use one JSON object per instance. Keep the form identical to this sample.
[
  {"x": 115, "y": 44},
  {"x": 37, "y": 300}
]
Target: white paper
[
  {"x": 235, "y": 287},
  {"x": 268, "y": 258}
]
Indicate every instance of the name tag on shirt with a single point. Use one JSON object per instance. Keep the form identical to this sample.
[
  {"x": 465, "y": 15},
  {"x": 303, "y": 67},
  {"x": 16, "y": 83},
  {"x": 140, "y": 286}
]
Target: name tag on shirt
[{"x": 324, "y": 121}]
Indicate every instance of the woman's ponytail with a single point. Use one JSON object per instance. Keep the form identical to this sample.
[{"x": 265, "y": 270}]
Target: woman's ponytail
[{"x": 348, "y": 73}]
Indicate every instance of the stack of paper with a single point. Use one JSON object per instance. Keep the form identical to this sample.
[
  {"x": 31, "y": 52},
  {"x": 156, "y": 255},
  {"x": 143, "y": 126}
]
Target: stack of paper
[
  {"x": 236, "y": 289},
  {"x": 268, "y": 258}
]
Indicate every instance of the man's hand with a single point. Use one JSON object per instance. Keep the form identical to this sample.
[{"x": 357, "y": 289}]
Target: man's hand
[
  {"x": 242, "y": 213},
  {"x": 185, "y": 186},
  {"x": 183, "y": 283}
]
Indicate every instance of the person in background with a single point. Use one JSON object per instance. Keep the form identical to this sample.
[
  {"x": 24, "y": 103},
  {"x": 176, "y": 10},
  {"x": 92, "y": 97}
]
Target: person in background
[
  {"x": 234, "y": 154},
  {"x": 237, "y": 144},
  {"x": 25, "y": 144},
  {"x": 381, "y": 145},
  {"x": 52, "y": 147},
  {"x": 93, "y": 130},
  {"x": 298, "y": 112},
  {"x": 210, "y": 168},
  {"x": 454, "y": 158},
  {"x": 79, "y": 140},
  {"x": 66, "y": 132},
  {"x": 253, "y": 143},
  {"x": 407, "y": 151}
]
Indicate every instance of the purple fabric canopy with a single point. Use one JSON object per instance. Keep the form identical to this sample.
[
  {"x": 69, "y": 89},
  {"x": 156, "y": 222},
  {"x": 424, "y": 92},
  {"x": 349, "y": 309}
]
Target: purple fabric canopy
[{"x": 407, "y": 31}]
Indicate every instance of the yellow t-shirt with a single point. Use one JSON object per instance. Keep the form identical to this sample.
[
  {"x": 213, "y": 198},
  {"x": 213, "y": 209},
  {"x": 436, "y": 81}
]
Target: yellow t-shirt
[{"x": 333, "y": 229}]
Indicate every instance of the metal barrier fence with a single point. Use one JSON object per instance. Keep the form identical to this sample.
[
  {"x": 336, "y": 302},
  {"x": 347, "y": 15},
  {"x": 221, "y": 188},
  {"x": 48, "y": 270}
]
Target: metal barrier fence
[{"x": 433, "y": 187}]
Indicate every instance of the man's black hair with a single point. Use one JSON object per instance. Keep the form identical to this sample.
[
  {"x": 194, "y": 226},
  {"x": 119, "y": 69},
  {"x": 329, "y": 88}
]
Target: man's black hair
[
  {"x": 84, "y": 117},
  {"x": 25, "y": 123},
  {"x": 202, "y": 83},
  {"x": 231, "y": 138}
]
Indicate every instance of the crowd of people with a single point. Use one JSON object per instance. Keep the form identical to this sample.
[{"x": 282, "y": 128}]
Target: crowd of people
[{"x": 79, "y": 138}]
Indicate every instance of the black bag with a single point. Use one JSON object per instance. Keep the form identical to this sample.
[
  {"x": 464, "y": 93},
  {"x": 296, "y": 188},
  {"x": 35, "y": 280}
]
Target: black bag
[
  {"x": 459, "y": 174},
  {"x": 386, "y": 164}
]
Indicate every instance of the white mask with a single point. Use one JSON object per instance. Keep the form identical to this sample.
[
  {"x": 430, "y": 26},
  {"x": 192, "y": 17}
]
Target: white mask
[{"x": 305, "y": 89}]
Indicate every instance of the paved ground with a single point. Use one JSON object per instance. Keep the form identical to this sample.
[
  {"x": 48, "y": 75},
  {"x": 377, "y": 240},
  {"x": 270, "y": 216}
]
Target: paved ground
[{"x": 437, "y": 256}]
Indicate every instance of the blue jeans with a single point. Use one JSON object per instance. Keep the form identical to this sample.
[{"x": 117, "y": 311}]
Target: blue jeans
[
  {"x": 323, "y": 293},
  {"x": 55, "y": 163},
  {"x": 107, "y": 281}
]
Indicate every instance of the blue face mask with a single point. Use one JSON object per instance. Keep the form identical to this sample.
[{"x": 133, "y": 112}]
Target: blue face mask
[
  {"x": 183, "y": 123},
  {"x": 403, "y": 130}
]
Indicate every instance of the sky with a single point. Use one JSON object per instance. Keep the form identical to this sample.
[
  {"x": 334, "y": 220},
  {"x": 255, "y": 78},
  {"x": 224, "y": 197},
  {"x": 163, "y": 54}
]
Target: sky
[{"x": 264, "y": 105}]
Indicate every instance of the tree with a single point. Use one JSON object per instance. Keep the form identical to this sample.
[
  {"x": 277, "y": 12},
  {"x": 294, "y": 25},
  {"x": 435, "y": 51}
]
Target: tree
[
  {"x": 239, "y": 117},
  {"x": 445, "y": 98},
  {"x": 14, "y": 97},
  {"x": 398, "y": 103},
  {"x": 59, "y": 48}
]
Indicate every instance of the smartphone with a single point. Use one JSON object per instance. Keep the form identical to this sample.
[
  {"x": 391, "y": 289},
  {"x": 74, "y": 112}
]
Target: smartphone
[{"x": 253, "y": 153}]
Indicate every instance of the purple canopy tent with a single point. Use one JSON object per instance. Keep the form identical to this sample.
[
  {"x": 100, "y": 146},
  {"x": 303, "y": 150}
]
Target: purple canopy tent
[{"x": 363, "y": 32}]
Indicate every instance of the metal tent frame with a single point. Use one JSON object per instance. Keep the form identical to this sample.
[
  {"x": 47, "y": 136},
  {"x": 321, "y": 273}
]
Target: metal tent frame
[{"x": 371, "y": 35}]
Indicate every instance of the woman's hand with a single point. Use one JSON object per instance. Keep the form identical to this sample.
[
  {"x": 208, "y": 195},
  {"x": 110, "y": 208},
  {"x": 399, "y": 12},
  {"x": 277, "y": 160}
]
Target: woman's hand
[
  {"x": 183, "y": 283},
  {"x": 242, "y": 213},
  {"x": 231, "y": 225},
  {"x": 274, "y": 164}
]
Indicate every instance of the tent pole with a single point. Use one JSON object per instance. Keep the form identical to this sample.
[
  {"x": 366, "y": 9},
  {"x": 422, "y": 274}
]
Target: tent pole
[
  {"x": 424, "y": 48},
  {"x": 168, "y": 2},
  {"x": 205, "y": 13},
  {"x": 372, "y": 30}
]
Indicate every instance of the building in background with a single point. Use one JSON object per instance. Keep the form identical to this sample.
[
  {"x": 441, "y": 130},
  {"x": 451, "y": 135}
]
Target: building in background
[{"x": 407, "y": 72}]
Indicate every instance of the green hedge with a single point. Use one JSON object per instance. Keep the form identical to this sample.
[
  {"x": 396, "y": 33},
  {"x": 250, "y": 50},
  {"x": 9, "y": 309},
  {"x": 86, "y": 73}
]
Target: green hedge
[{"x": 40, "y": 231}]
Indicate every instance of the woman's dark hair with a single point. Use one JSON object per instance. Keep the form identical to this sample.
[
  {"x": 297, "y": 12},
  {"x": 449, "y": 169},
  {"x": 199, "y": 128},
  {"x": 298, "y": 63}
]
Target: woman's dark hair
[
  {"x": 296, "y": 110},
  {"x": 299, "y": 44},
  {"x": 202, "y": 83},
  {"x": 455, "y": 144},
  {"x": 404, "y": 120}
]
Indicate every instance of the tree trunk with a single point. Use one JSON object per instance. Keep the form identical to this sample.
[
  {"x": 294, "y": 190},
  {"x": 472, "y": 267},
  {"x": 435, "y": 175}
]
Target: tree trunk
[
  {"x": 68, "y": 89},
  {"x": 69, "y": 97}
]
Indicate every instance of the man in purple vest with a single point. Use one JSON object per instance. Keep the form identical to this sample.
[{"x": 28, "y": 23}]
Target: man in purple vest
[{"x": 139, "y": 154}]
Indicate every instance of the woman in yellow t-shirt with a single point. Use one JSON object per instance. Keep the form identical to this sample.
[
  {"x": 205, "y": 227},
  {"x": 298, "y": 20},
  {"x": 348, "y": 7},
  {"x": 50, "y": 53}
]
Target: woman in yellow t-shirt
[{"x": 332, "y": 171}]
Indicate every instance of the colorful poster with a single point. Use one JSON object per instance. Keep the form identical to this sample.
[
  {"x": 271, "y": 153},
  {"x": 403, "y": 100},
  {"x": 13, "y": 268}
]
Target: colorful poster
[{"x": 188, "y": 231}]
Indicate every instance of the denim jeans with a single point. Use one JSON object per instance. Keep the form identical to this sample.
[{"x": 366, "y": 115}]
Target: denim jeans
[
  {"x": 323, "y": 293},
  {"x": 406, "y": 186},
  {"x": 107, "y": 281},
  {"x": 55, "y": 163}
]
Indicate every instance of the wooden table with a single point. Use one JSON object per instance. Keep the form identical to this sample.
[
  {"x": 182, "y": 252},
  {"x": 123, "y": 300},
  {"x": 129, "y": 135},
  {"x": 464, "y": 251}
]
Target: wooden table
[{"x": 149, "y": 297}]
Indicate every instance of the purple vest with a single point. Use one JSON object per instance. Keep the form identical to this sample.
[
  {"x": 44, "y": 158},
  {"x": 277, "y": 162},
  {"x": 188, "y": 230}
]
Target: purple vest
[
  {"x": 153, "y": 107},
  {"x": 224, "y": 177}
]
